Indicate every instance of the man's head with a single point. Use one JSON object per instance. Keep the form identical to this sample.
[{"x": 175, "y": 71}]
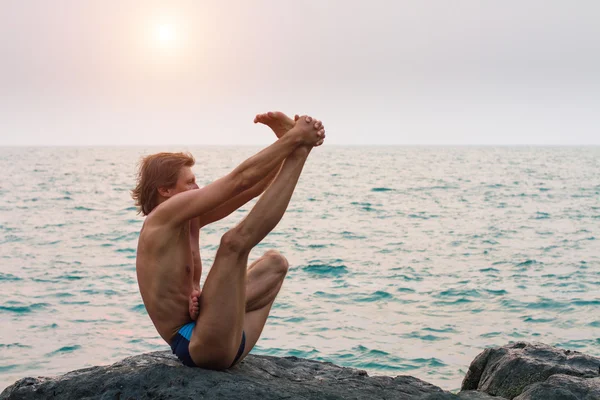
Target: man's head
[{"x": 161, "y": 176}]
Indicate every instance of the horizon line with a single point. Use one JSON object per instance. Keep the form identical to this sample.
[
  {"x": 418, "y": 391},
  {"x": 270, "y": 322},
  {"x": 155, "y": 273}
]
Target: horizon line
[{"x": 331, "y": 145}]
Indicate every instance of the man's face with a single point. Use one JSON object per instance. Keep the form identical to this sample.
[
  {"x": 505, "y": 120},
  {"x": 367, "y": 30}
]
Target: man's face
[{"x": 186, "y": 181}]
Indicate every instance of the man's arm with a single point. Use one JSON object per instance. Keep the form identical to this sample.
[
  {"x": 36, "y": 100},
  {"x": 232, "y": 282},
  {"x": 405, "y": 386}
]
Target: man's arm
[
  {"x": 193, "y": 203},
  {"x": 238, "y": 201}
]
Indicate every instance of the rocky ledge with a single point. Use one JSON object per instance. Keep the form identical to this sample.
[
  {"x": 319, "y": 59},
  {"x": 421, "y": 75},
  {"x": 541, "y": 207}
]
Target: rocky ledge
[{"x": 520, "y": 371}]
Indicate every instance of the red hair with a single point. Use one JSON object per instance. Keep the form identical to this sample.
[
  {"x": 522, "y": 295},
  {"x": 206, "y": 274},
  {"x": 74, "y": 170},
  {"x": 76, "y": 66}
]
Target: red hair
[{"x": 157, "y": 170}]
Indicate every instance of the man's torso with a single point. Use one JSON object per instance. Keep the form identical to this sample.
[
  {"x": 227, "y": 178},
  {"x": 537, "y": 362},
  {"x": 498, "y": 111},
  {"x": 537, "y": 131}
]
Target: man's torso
[{"x": 165, "y": 264}]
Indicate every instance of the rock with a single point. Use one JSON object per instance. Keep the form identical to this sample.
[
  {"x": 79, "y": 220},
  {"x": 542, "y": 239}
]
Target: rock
[
  {"x": 507, "y": 371},
  {"x": 563, "y": 387},
  {"x": 518, "y": 371},
  {"x": 475, "y": 395},
  {"x": 160, "y": 375},
  {"x": 464, "y": 395}
]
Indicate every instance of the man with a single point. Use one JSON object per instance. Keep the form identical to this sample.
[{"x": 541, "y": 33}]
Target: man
[{"x": 217, "y": 327}]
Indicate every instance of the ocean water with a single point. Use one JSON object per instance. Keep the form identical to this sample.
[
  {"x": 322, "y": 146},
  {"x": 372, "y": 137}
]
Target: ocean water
[{"x": 403, "y": 260}]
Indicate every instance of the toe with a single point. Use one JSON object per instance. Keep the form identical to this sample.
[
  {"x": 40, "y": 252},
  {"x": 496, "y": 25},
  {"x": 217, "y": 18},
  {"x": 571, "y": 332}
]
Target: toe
[
  {"x": 308, "y": 119},
  {"x": 318, "y": 125}
]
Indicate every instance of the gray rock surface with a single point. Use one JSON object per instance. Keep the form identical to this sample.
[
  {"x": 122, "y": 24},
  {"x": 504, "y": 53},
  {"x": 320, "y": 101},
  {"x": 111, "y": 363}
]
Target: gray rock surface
[
  {"x": 475, "y": 395},
  {"x": 563, "y": 387},
  {"x": 464, "y": 395},
  {"x": 518, "y": 371},
  {"x": 508, "y": 371},
  {"x": 160, "y": 375}
]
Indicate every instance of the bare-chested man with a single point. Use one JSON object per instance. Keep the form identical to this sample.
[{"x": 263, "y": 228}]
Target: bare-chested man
[{"x": 217, "y": 327}]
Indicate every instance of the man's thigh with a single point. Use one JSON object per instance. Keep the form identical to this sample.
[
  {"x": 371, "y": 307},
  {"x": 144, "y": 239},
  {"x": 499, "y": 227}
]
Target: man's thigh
[{"x": 264, "y": 279}]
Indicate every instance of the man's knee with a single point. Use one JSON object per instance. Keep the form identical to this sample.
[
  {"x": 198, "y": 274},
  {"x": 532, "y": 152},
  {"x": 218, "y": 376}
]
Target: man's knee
[
  {"x": 233, "y": 241},
  {"x": 277, "y": 261}
]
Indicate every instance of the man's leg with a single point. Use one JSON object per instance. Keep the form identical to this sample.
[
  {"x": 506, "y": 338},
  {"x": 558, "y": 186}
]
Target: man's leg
[
  {"x": 265, "y": 278},
  {"x": 217, "y": 336}
]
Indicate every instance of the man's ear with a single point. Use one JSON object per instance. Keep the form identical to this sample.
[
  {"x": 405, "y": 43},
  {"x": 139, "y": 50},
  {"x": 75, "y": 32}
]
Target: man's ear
[{"x": 164, "y": 192}]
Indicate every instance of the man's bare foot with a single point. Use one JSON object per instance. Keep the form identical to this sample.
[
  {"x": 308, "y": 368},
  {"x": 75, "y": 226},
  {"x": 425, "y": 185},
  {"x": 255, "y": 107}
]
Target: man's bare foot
[
  {"x": 193, "y": 304},
  {"x": 277, "y": 121},
  {"x": 281, "y": 123}
]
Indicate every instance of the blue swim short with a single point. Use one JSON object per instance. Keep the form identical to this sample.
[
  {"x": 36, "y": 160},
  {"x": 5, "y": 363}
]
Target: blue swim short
[{"x": 181, "y": 345}]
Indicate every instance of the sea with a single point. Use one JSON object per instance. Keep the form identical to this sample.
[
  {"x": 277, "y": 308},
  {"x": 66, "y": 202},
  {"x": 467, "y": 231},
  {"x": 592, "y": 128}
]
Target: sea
[{"x": 403, "y": 260}]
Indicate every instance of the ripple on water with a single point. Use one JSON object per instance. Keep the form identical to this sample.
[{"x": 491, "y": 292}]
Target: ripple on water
[
  {"x": 69, "y": 277},
  {"x": 325, "y": 269},
  {"x": 9, "y": 277},
  {"x": 491, "y": 270},
  {"x": 351, "y": 236},
  {"x": 319, "y": 246},
  {"x": 23, "y": 309},
  {"x": 125, "y": 250},
  {"x": 6, "y": 368},
  {"x": 406, "y": 278},
  {"x": 106, "y": 292},
  {"x": 586, "y": 302},
  {"x": 461, "y": 300},
  {"x": 490, "y": 335},
  {"x": 126, "y": 237},
  {"x": 57, "y": 295},
  {"x": 140, "y": 308},
  {"x": 64, "y": 350},
  {"x": 547, "y": 304},
  {"x": 448, "y": 329},
  {"x": 527, "y": 263},
  {"x": 499, "y": 292},
  {"x": 459, "y": 293},
  {"x": 541, "y": 215},
  {"x": 295, "y": 320},
  {"x": 375, "y": 296},
  {"x": 326, "y": 295},
  {"x": 82, "y": 208},
  {"x": 373, "y": 359},
  {"x": 44, "y": 327},
  {"x": 17, "y": 345},
  {"x": 538, "y": 320},
  {"x": 425, "y": 337}
]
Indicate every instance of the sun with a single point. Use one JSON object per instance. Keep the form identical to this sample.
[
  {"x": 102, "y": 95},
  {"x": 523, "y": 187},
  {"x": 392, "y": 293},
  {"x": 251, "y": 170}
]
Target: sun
[{"x": 166, "y": 35}]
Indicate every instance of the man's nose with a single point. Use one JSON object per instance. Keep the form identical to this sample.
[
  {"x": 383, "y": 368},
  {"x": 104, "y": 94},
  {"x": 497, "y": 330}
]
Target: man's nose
[{"x": 195, "y": 186}]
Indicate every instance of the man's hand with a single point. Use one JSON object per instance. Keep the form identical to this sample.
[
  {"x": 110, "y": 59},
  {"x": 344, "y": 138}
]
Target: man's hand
[
  {"x": 318, "y": 125},
  {"x": 281, "y": 123},
  {"x": 309, "y": 130}
]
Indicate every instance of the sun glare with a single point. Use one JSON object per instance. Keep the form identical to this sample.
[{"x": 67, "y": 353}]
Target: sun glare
[{"x": 166, "y": 35}]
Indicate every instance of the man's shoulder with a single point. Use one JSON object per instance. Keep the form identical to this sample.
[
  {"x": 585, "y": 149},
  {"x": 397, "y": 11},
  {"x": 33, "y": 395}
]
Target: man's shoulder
[{"x": 153, "y": 231}]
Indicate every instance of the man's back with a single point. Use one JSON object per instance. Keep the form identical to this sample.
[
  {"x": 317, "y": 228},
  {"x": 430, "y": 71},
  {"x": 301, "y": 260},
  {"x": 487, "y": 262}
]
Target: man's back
[{"x": 165, "y": 267}]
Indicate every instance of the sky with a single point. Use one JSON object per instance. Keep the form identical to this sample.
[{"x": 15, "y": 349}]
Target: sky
[{"x": 377, "y": 72}]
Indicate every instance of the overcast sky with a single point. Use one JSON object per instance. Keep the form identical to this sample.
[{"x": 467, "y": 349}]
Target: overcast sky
[{"x": 146, "y": 72}]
